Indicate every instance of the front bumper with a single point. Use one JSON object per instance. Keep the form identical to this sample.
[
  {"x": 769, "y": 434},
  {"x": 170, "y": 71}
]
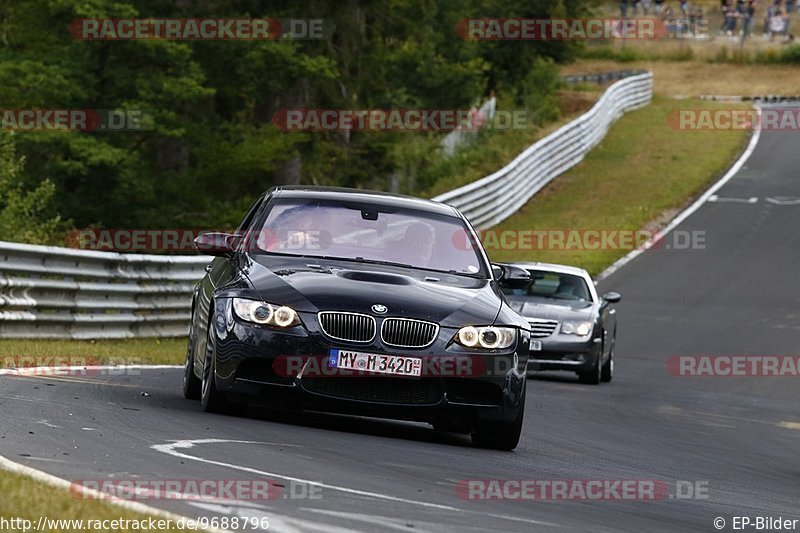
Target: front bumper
[
  {"x": 286, "y": 368},
  {"x": 561, "y": 354}
]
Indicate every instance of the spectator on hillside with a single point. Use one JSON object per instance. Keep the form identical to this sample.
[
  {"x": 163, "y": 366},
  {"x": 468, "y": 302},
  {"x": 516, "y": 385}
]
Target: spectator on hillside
[
  {"x": 723, "y": 8},
  {"x": 777, "y": 24},
  {"x": 669, "y": 21},
  {"x": 731, "y": 18},
  {"x": 623, "y": 8},
  {"x": 789, "y": 12},
  {"x": 768, "y": 13},
  {"x": 747, "y": 20},
  {"x": 740, "y": 6},
  {"x": 696, "y": 24},
  {"x": 659, "y": 7},
  {"x": 646, "y": 6}
]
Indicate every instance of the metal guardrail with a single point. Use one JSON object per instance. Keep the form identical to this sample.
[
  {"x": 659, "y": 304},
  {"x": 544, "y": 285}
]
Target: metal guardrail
[
  {"x": 601, "y": 77},
  {"x": 759, "y": 99},
  {"x": 52, "y": 292},
  {"x": 490, "y": 200}
]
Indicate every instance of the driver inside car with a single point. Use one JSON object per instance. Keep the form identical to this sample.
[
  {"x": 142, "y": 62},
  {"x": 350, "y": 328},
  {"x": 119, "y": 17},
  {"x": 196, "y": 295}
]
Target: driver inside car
[
  {"x": 301, "y": 229},
  {"x": 418, "y": 241},
  {"x": 570, "y": 288}
]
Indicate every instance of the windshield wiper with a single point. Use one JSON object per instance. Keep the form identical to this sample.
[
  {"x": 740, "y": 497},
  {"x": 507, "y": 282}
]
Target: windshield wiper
[
  {"x": 405, "y": 265},
  {"x": 376, "y": 262},
  {"x": 382, "y": 262}
]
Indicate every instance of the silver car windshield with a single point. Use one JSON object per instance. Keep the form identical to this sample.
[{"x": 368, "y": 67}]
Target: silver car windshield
[{"x": 554, "y": 286}]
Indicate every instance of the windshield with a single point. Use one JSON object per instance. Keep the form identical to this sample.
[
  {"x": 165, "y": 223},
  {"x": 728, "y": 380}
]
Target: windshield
[
  {"x": 554, "y": 286},
  {"x": 359, "y": 232}
]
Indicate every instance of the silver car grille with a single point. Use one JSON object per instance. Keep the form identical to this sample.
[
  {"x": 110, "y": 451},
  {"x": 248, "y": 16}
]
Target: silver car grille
[
  {"x": 541, "y": 327},
  {"x": 343, "y": 326},
  {"x": 408, "y": 333}
]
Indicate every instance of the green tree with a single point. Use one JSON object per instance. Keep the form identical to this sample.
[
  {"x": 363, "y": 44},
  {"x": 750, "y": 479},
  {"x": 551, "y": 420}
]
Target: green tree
[{"x": 25, "y": 215}]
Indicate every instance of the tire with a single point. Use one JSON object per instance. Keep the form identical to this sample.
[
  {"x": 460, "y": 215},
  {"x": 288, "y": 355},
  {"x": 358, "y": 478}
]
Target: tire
[
  {"x": 607, "y": 372},
  {"x": 592, "y": 376},
  {"x": 191, "y": 383},
  {"x": 500, "y": 435},
  {"x": 212, "y": 400}
]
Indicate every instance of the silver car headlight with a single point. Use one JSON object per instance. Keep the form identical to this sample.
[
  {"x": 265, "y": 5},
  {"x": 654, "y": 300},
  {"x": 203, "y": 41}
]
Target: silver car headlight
[
  {"x": 259, "y": 312},
  {"x": 573, "y": 327},
  {"x": 486, "y": 337}
]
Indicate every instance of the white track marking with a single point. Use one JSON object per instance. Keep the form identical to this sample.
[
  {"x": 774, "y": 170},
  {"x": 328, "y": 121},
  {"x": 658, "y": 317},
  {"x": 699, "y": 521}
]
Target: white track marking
[
  {"x": 686, "y": 213},
  {"x": 374, "y": 521},
  {"x": 172, "y": 449},
  {"x": 784, "y": 200},
  {"x": 47, "y": 371},
  {"x": 281, "y": 523},
  {"x": 53, "y": 481},
  {"x": 715, "y": 198}
]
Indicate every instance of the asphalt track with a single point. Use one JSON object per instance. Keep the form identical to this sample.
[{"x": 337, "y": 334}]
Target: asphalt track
[{"x": 741, "y": 436}]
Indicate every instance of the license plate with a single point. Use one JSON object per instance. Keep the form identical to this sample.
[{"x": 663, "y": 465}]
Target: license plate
[
  {"x": 536, "y": 346},
  {"x": 397, "y": 365}
]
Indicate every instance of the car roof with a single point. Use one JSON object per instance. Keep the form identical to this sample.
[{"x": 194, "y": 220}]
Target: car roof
[
  {"x": 367, "y": 196},
  {"x": 553, "y": 267}
]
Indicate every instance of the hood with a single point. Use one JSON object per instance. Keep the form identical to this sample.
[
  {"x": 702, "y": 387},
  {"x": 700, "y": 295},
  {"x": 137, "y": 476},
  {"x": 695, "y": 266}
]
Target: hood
[
  {"x": 312, "y": 285},
  {"x": 564, "y": 310}
]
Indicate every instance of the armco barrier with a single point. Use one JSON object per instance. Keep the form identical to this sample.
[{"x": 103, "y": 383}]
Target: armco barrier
[
  {"x": 51, "y": 292},
  {"x": 490, "y": 200}
]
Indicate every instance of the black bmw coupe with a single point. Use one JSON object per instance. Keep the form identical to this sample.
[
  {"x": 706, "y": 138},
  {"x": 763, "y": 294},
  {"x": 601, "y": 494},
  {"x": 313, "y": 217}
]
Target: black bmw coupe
[{"x": 364, "y": 303}]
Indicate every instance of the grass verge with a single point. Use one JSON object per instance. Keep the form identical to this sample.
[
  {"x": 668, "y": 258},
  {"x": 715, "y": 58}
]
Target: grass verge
[
  {"x": 641, "y": 172},
  {"x": 27, "y": 499},
  {"x": 495, "y": 149},
  {"x": 693, "y": 78},
  {"x": 61, "y": 352}
]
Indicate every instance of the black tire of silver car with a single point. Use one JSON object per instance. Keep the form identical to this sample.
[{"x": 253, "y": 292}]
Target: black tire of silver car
[
  {"x": 607, "y": 372},
  {"x": 500, "y": 435},
  {"x": 592, "y": 375}
]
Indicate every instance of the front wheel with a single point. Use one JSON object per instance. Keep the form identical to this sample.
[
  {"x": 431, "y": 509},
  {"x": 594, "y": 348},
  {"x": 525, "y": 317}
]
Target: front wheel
[
  {"x": 499, "y": 435},
  {"x": 592, "y": 375},
  {"x": 607, "y": 372},
  {"x": 212, "y": 400},
  {"x": 191, "y": 383}
]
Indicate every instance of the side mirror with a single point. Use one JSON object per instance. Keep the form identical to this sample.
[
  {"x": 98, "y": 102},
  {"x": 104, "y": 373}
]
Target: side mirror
[
  {"x": 511, "y": 276},
  {"x": 218, "y": 244},
  {"x": 612, "y": 297}
]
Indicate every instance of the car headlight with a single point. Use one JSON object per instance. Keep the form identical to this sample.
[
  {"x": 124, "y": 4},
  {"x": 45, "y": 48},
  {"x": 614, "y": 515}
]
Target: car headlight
[
  {"x": 486, "y": 337},
  {"x": 265, "y": 313},
  {"x": 581, "y": 329}
]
